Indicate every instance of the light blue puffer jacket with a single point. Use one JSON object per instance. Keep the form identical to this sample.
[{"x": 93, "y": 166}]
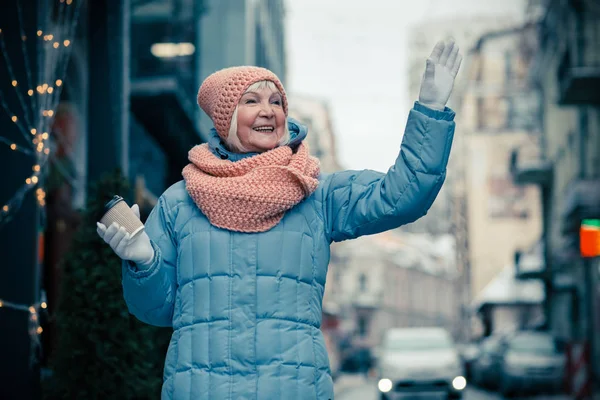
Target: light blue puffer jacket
[{"x": 246, "y": 307}]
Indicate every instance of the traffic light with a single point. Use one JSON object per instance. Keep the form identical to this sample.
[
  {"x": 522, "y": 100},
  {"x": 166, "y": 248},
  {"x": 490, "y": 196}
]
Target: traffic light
[{"x": 589, "y": 238}]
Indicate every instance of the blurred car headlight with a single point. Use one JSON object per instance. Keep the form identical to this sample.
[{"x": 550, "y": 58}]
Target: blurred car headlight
[
  {"x": 384, "y": 385},
  {"x": 459, "y": 383}
]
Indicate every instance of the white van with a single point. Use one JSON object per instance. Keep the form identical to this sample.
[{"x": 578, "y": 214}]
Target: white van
[{"x": 419, "y": 361}]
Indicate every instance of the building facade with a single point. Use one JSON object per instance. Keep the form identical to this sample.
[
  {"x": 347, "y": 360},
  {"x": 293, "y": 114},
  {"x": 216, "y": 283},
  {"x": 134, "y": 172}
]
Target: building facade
[
  {"x": 567, "y": 70},
  {"x": 423, "y": 37},
  {"x": 118, "y": 88},
  {"x": 242, "y": 32},
  {"x": 487, "y": 214},
  {"x": 497, "y": 110},
  {"x": 394, "y": 279},
  {"x": 316, "y": 115}
]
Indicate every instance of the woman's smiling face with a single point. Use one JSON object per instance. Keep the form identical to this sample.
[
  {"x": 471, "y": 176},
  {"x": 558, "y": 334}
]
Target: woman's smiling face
[{"x": 260, "y": 119}]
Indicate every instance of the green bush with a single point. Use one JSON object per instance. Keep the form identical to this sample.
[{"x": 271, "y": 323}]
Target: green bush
[{"x": 102, "y": 352}]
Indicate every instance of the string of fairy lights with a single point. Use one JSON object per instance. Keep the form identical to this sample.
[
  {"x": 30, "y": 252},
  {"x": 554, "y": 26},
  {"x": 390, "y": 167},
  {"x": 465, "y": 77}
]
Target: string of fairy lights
[
  {"x": 37, "y": 102},
  {"x": 34, "y": 328}
]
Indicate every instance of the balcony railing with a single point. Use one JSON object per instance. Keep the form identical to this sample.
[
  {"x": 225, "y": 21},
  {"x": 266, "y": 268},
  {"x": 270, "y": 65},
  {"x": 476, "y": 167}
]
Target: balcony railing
[
  {"x": 530, "y": 263},
  {"x": 533, "y": 171},
  {"x": 579, "y": 68},
  {"x": 582, "y": 201},
  {"x": 579, "y": 83}
]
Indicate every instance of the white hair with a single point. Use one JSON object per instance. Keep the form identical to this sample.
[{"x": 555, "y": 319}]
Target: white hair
[{"x": 233, "y": 141}]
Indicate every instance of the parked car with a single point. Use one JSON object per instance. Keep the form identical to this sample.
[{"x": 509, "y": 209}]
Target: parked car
[
  {"x": 357, "y": 360},
  {"x": 485, "y": 371},
  {"x": 532, "y": 362},
  {"x": 469, "y": 352},
  {"x": 419, "y": 360}
]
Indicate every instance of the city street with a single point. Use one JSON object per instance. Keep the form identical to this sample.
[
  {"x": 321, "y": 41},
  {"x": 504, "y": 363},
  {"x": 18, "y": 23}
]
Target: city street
[{"x": 355, "y": 387}]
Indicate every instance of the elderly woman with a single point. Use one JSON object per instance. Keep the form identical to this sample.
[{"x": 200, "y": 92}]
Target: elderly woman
[{"x": 234, "y": 257}]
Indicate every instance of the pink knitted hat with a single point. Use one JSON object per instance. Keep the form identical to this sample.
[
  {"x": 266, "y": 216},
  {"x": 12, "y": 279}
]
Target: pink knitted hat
[{"x": 220, "y": 93}]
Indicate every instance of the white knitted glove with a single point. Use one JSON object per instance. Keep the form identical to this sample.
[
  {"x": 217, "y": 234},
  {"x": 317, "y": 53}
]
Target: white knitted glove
[
  {"x": 139, "y": 250},
  {"x": 440, "y": 71}
]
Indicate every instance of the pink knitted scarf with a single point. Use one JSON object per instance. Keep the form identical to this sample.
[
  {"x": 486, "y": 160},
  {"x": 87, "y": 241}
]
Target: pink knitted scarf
[{"x": 252, "y": 194}]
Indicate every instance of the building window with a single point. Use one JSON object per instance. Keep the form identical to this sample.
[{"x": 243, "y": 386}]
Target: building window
[
  {"x": 509, "y": 67},
  {"x": 362, "y": 326},
  {"x": 480, "y": 113},
  {"x": 362, "y": 283}
]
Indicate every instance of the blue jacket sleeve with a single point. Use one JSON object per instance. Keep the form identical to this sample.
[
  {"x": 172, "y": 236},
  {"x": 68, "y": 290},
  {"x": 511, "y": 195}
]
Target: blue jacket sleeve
[
  {"x": 150, "y": 292},
  {"x": 367, "y": 202}
]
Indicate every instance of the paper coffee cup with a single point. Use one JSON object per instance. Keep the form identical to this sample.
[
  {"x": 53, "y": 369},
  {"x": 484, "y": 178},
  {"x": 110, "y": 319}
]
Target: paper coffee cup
[{"x": 118, "y": 211}]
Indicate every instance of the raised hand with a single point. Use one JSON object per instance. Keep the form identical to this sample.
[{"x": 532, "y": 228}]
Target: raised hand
[
  {"x": 440, "y": 71},
  {"x": 138, "y": 249}
]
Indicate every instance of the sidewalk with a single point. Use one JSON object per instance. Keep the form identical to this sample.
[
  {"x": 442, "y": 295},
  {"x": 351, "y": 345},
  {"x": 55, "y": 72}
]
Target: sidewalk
[{"x": 346, "y": 382}]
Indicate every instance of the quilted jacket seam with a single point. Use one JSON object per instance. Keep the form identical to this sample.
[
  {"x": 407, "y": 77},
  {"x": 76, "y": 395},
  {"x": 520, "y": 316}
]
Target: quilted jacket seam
[
  {"x": 332, "y": 193},
  {"x": 209, "y": 306},
  {"x": 433, "y": 194},
  {"x": 424, "y": 139},
  {"x": 189, "y": 281},
  {"x": 309, "y": 225},
  {"x": 255, "y": 264},
  {"x": 230, "y": 325},
  {"x": 394, "y": 207},
  {"x": 296, "y": 331},
  {"x": 278, "y": 334},
  {"x": 223, "y": 369},
  {"x": 185, "y": 236},
  {"x": 323, "y": 213},
  {"x": 175, "y": 366},
  {"x": 319, "y": 213},
  {"x": 145, "y": 273},
  {"x": 153, "y": 309},
  {"x": 170, "y": 209}
]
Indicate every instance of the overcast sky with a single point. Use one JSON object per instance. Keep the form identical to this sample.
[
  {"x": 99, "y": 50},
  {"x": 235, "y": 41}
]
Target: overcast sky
[{"x": 354, "y": 56}]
